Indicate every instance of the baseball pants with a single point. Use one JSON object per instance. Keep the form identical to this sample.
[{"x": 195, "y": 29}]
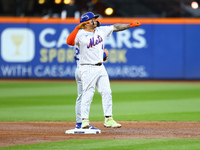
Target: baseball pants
[{"x": 95, "y": 76}]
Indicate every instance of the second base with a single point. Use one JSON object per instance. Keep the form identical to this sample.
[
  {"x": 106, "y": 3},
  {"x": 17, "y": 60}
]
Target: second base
[{"x": 82, "y": 131}]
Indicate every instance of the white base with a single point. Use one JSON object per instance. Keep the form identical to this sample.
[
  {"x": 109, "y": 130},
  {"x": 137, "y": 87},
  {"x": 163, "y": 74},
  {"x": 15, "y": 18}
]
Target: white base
[{"x": 83, "y": 131}]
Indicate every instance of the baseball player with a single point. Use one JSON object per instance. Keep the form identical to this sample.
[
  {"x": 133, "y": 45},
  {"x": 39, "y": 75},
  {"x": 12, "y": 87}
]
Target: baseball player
[
  {"x": 90, "y": 39},
  {"x": 79, "y": 88}
]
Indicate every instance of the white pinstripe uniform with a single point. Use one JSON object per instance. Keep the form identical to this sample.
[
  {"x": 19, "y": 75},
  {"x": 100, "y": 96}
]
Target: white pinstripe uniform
[
  {"x": 79, "y": 86},
  {"x": 91, "y": 52}
]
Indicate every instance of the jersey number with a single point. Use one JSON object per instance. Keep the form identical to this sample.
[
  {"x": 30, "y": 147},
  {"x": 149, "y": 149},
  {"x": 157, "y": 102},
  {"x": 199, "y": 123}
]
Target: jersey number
[{"x": 76, "y": 54}]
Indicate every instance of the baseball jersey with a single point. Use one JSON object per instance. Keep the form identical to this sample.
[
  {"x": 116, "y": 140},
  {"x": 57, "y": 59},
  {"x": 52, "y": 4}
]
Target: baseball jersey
[
  {"x": 91, "y": 44},
  {"x": 76, "y": 55}
]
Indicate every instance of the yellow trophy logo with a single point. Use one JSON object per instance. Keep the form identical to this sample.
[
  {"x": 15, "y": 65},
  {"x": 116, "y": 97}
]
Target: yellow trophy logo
[
  {"x": 17, "y": 45},
  {"x": 17, "y": 40}
]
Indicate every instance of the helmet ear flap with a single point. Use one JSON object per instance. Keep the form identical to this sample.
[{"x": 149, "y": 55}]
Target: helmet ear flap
[{"x": 98, "y": 24}]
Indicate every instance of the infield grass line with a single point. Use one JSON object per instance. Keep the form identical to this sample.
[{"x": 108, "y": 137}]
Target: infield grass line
[{"x": 117, "y": 144}]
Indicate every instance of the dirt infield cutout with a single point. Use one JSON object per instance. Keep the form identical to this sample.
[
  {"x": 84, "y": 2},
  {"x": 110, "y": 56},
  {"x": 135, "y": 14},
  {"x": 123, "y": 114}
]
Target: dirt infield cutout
[{"x": 21, "y": 133}]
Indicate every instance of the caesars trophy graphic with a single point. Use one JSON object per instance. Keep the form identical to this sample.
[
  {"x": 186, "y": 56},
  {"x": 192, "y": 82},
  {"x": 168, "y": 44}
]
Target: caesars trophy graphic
[{"x": 17, "y": 40}]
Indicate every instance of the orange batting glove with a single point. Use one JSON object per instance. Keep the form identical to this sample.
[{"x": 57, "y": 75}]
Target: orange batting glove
[{"x": 135, "y": 24}]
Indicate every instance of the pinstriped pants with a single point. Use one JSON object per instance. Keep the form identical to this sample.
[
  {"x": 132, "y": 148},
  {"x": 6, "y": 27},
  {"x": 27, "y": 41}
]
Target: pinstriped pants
[{"x": 95, "y": 76}]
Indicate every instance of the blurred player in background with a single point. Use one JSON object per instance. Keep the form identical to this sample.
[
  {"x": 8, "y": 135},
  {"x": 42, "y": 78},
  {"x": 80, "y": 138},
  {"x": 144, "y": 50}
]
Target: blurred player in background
[{"x": 90, "y": 41}]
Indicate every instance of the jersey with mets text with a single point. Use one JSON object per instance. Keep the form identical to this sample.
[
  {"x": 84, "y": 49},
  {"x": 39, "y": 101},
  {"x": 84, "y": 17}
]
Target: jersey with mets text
[{"x": 91, "y": 44}]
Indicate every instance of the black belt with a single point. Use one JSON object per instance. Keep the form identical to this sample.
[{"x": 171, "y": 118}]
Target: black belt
[{"x": 99, "y": 64}]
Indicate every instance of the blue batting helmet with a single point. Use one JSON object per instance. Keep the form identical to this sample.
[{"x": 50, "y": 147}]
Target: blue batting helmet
[{"x": 87, "y": 16}]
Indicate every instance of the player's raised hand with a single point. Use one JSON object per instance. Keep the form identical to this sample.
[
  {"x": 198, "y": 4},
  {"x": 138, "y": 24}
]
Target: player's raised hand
[
  {"x": 135, "y": 24},
  {"x": 82, "y": 25},
  {"x": 72, "y": 36}
]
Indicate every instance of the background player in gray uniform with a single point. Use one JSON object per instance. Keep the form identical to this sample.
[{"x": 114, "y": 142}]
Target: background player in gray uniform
[
  {"x": 79, "y": 88},
  {"x": 93, "y": 74}
]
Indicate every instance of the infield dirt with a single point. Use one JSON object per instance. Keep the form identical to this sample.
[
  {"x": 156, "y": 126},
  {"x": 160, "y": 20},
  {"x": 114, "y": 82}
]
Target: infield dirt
[{"x": 21, "y": 133}]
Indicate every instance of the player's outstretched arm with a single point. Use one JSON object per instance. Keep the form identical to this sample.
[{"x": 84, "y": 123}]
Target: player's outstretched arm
[{"x": 121, "y": 27}]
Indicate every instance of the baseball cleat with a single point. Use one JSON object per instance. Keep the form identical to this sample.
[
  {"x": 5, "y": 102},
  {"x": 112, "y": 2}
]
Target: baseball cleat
[
  {"x": 85, "y": 124},
  {"x": 93, "y": 128},
  {"x": 78, "y": 126},
  {"x": 109, "y": 122}
]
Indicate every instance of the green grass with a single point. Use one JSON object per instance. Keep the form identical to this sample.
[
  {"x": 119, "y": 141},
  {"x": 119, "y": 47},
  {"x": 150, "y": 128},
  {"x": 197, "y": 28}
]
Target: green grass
[
  {"x": 55, "y": 101},
  {"x": 128, "y": 144}
]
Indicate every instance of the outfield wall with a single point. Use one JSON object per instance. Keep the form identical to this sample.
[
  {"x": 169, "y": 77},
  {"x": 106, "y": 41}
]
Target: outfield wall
[{"x": 158, "y": 49}]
